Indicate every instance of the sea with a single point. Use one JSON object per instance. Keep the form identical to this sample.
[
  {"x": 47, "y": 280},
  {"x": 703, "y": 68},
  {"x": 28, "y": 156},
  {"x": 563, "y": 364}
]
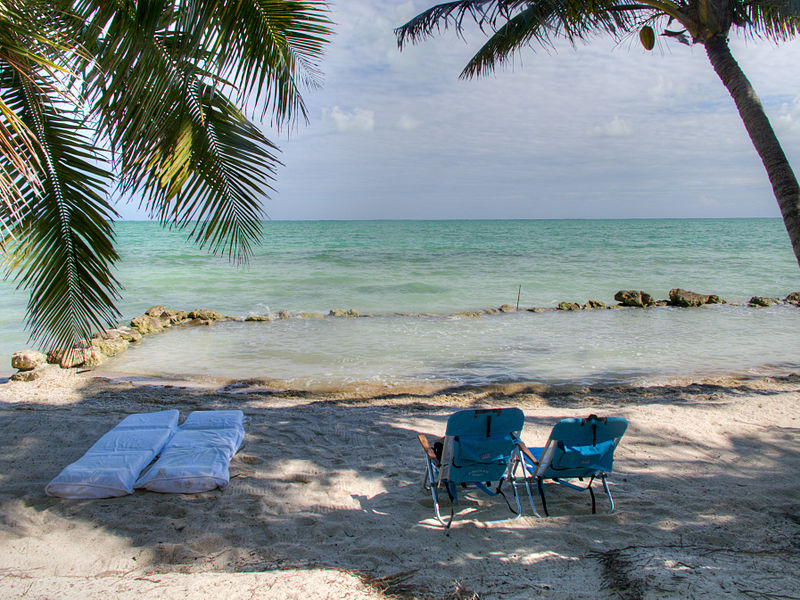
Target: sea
[{"x": 413, "y": 277}]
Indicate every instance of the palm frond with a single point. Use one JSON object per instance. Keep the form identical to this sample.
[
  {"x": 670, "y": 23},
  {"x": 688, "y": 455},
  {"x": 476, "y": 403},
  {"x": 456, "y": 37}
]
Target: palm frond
[
  {"x": 452, "y": 14},
  {"x": 212, "y": 172},
  {"x": 165, "y": 120},
  {"x": 62, "y": 247},
  {"x": 27, "y": 39},
  {"x": 778, "y": 20},
  {"x": 270, "y": 47},
  {"x": 153, "y": 81},
  {"x": 544, "y": 20},
  {"x": 19, "y": 163}
]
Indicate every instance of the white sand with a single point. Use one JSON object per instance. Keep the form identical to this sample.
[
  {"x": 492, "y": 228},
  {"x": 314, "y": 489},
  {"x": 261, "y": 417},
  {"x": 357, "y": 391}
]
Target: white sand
[{"x": 325, "y": 500}]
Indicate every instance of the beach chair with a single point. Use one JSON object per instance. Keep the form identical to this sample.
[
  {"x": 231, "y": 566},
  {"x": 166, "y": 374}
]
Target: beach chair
[
  {"x": 576, "y": 449},
  {"x": 478, "y": 451}
]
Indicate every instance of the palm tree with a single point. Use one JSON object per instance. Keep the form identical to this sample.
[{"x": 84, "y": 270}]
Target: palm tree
[
  {"x": 518, "y": 23},
  {"x": 145, "y": 99}
]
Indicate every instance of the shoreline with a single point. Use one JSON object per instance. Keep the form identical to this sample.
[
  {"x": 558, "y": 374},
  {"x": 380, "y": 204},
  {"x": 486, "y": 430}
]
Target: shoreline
[
  {"x": 76, "y": 382},
  {"x": 325, "y": 501}
]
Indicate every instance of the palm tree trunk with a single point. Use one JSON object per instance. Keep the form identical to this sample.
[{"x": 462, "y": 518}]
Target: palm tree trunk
[{"x": 781, "y": 176}]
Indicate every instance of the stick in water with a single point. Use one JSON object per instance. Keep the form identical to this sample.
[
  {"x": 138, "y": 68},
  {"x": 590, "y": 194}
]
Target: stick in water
[{"x": 519, "y": 291}]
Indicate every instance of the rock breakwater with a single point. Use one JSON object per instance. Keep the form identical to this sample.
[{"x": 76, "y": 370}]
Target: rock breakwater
[{"x": 87, "y": 354}]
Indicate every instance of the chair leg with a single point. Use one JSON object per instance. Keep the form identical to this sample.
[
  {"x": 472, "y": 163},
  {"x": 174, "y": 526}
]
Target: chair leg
[
  {"x": 425, "y": 480},
  {"x": 519, "y": 504},
  {"x": 530, "y": 498},
  {"x": 526, "y": 478},
  {"x": 608, "y": 492},
  {"x": 431, "y": 484},
  {"x": 540, "y": 486},
  {"x": 594, "y": 502}
]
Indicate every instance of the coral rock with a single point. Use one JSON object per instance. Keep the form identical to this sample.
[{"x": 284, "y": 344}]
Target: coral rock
[
  {"x": 129, "y": 334},
  {"x": 591, "y": 304},
  {"x": 793, "y": 298},
  {"x": 761, "y": 302},
  {"x": 27, "y": 360},
  {"x": 568, "y": 306},
  {"x": 687, "y": 299},
  {"x": 634, "y": 298},
  {"x": 339, "y": 312},
  {"x": 31, "y": 375},
  {"x": 206, "y": 315},
  {"x": 111, "y": 346},
  {"x": 155, "y": 311}
]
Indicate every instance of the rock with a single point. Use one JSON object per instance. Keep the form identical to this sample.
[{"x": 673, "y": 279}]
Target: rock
[
  {"x": 533, "y": 309},
  {"x": 66, "y": 358},
  {"x": 568, "y": 306},
  {"x": 686, "y": 299},
  {"x": 311, "y": 315},
  {"x": 30, "y": 375},
  {"x": 155, "y": 311},
  {"x": 89, "y": 356},
  {"x": 793, "y": 298},
  {"x": 284, "y": 314},
  {"x": 258, "y": 318},
  {"x": 761, "y": 302},
  {"x": 174, "y": 316},
  {"x": 507, "y": 308},
  {"x": 592, "y": 304},
  {"x": 111, "y": 346},
  {"x": 492, "y": 311},
  {"x": 339, "y": 312},
  {"x": 27, "y": 360},
  {"x": 106, "y": 334},
  {"x": 129, "y": 334},
  {"x": 145, "y": 324},
  {"x": 206, "y": 315},
  {"x": 662, "y": 303},
  {"x": 94, "y": 356},
  {"x": 200, "y": 322},
  {"x": 634, "y": 298},
  {"x": 467, "y": 314}
]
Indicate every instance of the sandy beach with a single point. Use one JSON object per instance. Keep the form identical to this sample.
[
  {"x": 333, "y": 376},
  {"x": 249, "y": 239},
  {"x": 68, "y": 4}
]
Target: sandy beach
[{"x": 325, "y": 498}]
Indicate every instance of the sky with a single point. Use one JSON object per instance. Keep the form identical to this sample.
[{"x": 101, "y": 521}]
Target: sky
[{"x": 602, "y": 130}]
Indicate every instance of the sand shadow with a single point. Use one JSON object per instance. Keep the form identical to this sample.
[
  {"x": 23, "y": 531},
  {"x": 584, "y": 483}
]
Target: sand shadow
[{"x": 336, "y": 484}]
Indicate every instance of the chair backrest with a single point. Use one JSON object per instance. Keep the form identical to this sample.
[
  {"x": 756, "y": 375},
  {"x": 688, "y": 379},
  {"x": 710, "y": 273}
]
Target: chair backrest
[
  {"x": 581, "y": 447},
  {"x": 479, "y": 444}
]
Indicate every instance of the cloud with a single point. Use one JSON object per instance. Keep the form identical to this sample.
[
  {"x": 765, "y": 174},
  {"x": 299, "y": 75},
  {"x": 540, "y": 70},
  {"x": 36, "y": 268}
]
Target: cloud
[
  {"x": 359, "y": 119},
  {"x": 788, "y": 120},
  {"x": 617, "y": 127},
  {"x": 407, "y": 123}
]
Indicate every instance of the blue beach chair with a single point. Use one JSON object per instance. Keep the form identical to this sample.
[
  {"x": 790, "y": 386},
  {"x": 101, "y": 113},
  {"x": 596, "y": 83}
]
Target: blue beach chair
[
  {"x": 577, "y": 449},
  {"x": 479, "y": 451}
]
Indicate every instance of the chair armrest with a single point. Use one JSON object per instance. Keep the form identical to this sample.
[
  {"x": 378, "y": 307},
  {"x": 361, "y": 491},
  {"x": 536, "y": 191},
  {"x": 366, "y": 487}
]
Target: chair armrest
[
  {"x": 427, "y": 447},
  {"x": 527, "y": 453}
]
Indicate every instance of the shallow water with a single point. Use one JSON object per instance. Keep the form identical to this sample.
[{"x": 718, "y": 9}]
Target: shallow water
[
  {"x": 587, "y": 347},
  {"x": 447, "y": 266}
]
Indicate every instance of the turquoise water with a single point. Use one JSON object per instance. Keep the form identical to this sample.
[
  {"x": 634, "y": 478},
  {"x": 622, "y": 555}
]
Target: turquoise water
[{"x": 441, "y": 267}]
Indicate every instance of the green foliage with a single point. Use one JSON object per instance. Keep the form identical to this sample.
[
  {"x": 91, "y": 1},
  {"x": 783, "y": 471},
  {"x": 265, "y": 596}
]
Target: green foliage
[
  {"x": 516, "y": 24},
  {"x": 141, "y": 97}
]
